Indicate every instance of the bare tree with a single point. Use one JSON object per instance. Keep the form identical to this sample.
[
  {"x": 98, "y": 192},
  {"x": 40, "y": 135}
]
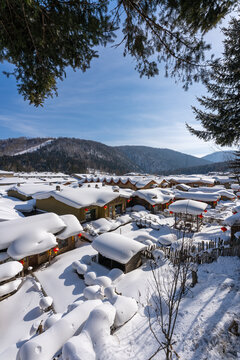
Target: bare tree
[{"x": 167, "y": 290}]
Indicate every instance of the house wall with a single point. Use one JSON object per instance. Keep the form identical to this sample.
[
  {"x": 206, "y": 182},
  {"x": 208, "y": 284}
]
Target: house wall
[
  {"x": 53, "y": 205},
  {"x": 17, "y": 195},
  {"x": 38, "y": 259},
  {"x": 134, "y": 262}
]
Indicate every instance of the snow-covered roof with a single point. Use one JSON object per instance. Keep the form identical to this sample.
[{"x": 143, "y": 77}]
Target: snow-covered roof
[
  {"x": 192, "y": 179},
  {"x": 9, "y": 270},
  {"x": 36, "y": 234},
  {"x": 232, "y": 220},
  {"x": 117, "y": 247},
  {"x": 34, "y": 242},
  {"x": 10, "y": 287},
  {"x": 188, "y": 207},
  {"x": 184, "y": 186},
  {"x": 10, "y": 208},
  {"x": 73, "y": 226},
  {"x": 13, "y": 230},
  {"x": 30, "y": 189},
  {"x": 12, "y": 180},
  {"x": 215, "y": 190},
  {"x": 82, "y": 197},
  {"x": 200, "y": 196},
  {"x": 154, "y": 196}
]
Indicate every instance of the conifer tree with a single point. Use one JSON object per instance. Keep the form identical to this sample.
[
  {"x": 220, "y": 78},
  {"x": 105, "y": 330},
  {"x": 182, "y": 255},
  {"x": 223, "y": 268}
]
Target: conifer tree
[
  {"x": 235, "y": 165},
  {"x": 221, "y": 118},
  {"x": 41, "y": 38}
]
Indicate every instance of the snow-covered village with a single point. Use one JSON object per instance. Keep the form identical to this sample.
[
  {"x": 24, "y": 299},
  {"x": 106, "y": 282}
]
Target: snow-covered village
[
  {"x": 85, "y": 260},
  {"x": 120, "y": 180}
]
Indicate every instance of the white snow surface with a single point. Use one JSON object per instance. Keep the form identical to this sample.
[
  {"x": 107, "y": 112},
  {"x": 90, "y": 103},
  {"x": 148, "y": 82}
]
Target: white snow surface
[
  {"x": 60, "y": 278},
  {"x": 154, "y": 196},
  {"x": 199, "y": 196},
  {"x": 117, "y": 247},
  {"x": 45, "y": 345},
  {"x": 9, "y": 270},
  {"x": 82, "y": 197},
  {"x": 17, "y": 229},
  {"x": 9, "y": 287},
  {"x": 73, "y": 226},
  {"x": 233, "y": 219},
  {"x": 95, "y": 341},
  {"x": 32, "y": 243},
  {"x": 30, "y": 189},
  {"x": 188, "y": 207}
]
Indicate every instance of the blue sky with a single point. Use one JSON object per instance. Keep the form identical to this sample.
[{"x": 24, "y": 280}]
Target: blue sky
[{"x": 111, "y": 104}]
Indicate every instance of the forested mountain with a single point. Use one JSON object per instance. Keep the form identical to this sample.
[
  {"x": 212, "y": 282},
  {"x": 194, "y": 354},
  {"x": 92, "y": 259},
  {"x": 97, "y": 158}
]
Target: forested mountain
[
  {"x": 219, "y": 156},
  {"x": 154, "y": 160},
  {"x": 68, "y": 155},
  {"x": 71, "y": 155},
  {"x": 14, "y": 145}
]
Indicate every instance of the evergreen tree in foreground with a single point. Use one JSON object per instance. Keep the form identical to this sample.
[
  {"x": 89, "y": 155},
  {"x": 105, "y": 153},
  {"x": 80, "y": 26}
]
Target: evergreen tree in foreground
[
  {"x": 221, "y": 118},
  {"x": 42, "y": 38},
  {"x": 235, "y": 165}
]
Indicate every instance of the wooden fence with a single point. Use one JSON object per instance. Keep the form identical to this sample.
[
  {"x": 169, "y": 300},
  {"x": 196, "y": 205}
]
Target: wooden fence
[{"x": 204, "y": 252}]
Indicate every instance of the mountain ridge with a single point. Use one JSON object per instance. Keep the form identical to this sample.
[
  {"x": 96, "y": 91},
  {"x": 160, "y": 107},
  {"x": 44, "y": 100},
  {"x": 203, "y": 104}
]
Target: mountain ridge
[{"x": 77, "y": 155}]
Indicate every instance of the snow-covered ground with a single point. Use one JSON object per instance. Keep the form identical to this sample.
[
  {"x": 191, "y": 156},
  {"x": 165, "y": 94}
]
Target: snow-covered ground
[{"x": 102, "y": 315}]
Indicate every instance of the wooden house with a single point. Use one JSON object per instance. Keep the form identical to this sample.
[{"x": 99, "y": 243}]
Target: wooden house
[
  {"x": 117, "y": 251},
  {"x": 26, "y": 191},
  {"x": 36, "y": 239},
  {"x": 209, "y": 198},
  {"x": 153, "y": 200},
  {"x": 85, "y": 203},
  {"x": 234, "y": 222},
  {"x": 192, "y": 181}
]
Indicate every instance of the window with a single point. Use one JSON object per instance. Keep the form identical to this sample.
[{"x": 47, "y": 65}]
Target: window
[
  {"x": 90, "y": 214},
  {"x": 111, "y": 212},
  {"x": 62, "y": 243},
  {"x": 118, "y": 209}
]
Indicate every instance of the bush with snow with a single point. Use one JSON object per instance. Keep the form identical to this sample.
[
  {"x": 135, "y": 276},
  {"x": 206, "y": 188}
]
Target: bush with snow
[
  {"x": 45, "y": 302},
  {"x": 89, "y": 278},
  {"x": 93, "y": 292},
  {"x": 103, "y": 281},
  {"x": 126, "y": 307},
  {"x": 51, "y": 320}
]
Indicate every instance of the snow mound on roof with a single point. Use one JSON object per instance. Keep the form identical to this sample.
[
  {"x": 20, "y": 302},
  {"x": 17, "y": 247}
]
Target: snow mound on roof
[
  {"x": 9, "y": 270},
  {"x": 73, "y": 226},
  {"x": 188, "y": 207},
  {"x": 10, "y": 287},
  {"x": 117, "y": 247},
  {"x": 233, "y": 219},
  {"x": 13, "y": 229},
  {"x": 29, "y": 244}
]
